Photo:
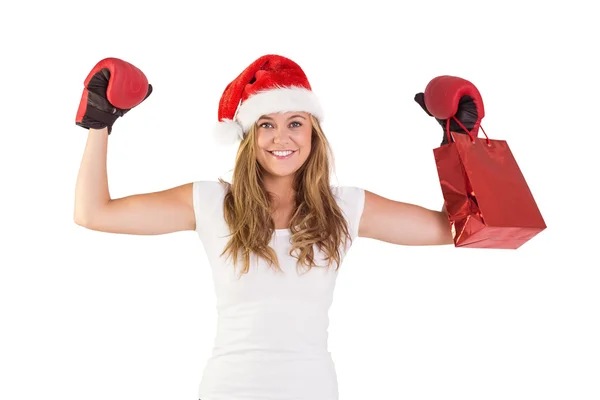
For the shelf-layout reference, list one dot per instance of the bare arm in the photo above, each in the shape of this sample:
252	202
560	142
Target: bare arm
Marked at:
166	211
402	223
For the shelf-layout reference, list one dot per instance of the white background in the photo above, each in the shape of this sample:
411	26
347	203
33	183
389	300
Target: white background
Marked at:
86	315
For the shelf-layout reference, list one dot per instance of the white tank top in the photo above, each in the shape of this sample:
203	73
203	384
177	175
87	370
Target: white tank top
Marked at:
272	330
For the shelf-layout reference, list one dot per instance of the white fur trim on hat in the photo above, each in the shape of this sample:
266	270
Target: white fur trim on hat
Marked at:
227	132
277	100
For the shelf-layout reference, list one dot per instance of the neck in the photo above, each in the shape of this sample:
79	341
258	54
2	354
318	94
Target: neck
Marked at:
281	190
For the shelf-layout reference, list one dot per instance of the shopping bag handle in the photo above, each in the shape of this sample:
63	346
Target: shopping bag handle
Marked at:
466	130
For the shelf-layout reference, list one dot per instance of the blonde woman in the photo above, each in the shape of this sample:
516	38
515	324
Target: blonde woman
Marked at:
275	236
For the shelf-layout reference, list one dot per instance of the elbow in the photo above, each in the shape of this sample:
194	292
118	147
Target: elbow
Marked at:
83	219
78	215
80	220
89	217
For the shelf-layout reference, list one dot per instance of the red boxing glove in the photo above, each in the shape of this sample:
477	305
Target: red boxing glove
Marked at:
112	88
455	103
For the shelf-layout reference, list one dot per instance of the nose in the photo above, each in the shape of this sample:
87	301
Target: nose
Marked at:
280	135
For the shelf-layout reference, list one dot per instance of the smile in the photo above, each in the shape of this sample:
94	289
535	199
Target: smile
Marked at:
282	155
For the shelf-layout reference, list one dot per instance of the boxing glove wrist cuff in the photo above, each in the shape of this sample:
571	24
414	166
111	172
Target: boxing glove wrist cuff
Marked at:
97	119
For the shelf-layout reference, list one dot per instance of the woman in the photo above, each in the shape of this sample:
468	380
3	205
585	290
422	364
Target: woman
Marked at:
275	236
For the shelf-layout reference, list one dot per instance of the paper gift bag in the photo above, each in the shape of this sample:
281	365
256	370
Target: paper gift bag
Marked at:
488	201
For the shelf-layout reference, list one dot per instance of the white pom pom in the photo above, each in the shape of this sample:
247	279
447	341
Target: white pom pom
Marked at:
228	132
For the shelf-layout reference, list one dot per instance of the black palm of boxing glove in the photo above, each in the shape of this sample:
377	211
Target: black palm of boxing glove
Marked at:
111	89
452	98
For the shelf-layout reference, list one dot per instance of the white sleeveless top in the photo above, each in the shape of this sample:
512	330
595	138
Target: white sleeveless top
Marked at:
272	331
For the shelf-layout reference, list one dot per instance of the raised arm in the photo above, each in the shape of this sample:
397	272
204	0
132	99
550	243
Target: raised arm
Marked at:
165	211
112	88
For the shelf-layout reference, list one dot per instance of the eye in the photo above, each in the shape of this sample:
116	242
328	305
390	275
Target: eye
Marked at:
296	124
265	125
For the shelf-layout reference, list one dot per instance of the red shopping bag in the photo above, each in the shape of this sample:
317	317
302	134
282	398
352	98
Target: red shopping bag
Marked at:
488	201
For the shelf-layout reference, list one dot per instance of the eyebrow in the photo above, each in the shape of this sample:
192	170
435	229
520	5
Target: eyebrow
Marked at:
271	119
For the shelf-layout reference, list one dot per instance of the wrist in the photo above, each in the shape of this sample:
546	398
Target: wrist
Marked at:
100	131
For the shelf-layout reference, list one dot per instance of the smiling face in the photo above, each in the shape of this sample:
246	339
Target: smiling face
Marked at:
283	142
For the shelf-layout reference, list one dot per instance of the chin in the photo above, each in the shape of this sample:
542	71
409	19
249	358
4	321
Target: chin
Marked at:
281	173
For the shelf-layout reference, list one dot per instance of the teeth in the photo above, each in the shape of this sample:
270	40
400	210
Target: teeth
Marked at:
282	153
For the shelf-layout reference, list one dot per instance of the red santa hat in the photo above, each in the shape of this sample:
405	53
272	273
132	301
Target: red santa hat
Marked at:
270	84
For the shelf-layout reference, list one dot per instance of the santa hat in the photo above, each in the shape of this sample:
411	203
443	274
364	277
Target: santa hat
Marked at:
270	84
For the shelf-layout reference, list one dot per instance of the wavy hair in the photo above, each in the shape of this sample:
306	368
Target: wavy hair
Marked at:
317	221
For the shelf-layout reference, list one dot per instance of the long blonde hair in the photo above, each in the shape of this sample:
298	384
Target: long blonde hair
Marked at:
317	220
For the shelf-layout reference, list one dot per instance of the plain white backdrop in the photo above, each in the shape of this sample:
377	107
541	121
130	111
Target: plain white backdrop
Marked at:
93	316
